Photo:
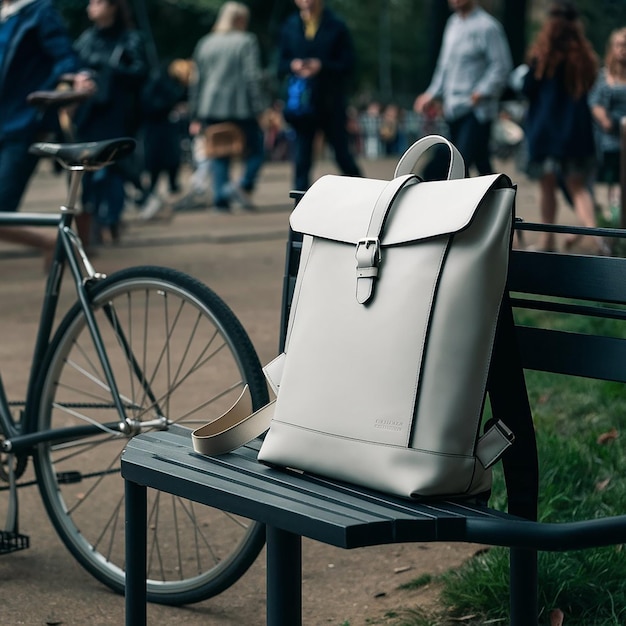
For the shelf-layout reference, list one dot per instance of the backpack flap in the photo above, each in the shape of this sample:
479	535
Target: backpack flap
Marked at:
340	208
363	215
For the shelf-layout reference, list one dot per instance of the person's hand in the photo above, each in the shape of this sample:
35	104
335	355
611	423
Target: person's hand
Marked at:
422	102
311	67
603	119
476	98
305	68
607	125
296	66
83	81
194	128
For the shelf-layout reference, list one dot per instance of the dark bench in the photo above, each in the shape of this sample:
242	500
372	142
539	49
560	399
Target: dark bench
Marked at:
294	506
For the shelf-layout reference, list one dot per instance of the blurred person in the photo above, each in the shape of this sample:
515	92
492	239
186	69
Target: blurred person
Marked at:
471	73
199	187
608	107
370	124
164	91
315	44
35	50
391	130
355	132
558	125
227	88
114	67
276	133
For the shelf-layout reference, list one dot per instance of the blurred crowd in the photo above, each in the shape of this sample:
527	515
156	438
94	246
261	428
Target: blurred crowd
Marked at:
560	118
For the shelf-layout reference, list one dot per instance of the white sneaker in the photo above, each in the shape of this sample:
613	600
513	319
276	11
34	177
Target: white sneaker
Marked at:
242	197
152	206
200	180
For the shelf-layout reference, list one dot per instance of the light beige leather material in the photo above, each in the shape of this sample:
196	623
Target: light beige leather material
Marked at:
410	158
493	443
273	372
234	428
391	329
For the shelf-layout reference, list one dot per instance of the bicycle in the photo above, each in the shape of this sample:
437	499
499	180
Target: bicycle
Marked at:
145	348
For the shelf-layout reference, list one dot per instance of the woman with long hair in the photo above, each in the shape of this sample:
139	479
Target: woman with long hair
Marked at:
608	106
559	131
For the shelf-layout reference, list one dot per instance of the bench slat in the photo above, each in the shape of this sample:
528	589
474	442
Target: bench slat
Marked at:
602	279
340	514
575	354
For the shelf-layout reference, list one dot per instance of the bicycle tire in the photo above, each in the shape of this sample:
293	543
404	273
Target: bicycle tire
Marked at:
196	357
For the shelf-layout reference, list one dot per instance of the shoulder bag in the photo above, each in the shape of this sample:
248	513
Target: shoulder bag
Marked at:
224	139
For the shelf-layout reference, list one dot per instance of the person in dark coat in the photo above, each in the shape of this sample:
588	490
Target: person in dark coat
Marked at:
315	45
115	67
35	51
161	95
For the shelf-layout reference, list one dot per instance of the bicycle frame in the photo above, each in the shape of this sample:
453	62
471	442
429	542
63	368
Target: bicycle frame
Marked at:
21	437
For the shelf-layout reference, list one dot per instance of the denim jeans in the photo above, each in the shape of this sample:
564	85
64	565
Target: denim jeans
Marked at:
104	196
333	124
16	168
471	138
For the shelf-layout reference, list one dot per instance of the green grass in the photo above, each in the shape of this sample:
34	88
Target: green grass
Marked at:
579	479
587	585
418	583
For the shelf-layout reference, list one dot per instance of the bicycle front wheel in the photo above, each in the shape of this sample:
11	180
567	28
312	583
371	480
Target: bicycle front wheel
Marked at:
176	351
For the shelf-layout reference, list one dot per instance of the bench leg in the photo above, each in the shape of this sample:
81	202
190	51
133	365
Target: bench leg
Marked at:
135	502
523	585
284	578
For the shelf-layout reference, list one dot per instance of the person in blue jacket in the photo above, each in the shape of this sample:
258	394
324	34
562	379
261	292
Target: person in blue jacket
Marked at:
315	45
35	51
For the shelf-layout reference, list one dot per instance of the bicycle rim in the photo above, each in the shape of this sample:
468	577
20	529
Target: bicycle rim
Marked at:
176	351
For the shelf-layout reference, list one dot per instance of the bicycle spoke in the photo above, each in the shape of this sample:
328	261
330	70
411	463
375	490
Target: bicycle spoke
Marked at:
98	381
188	508
110	523
92	489
153	523
84	418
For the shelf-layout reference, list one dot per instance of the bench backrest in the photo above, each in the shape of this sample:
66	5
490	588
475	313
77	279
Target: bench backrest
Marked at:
561	285
571	285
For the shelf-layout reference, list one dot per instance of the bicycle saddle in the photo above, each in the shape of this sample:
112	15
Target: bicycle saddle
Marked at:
57	98
87	155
